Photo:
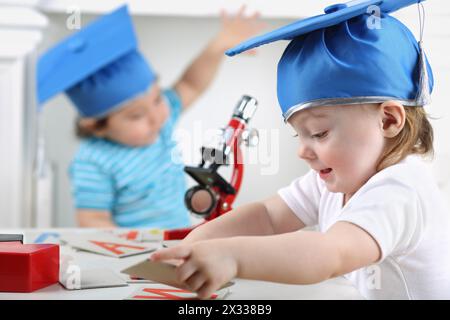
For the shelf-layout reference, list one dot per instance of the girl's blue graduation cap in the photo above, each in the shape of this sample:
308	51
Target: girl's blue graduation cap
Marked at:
349	56
99	67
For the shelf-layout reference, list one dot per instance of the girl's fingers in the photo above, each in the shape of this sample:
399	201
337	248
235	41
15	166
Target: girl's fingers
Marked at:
195	282
185	271
206	290
178	252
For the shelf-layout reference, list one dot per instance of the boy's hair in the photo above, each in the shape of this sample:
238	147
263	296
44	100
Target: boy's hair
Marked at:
83	133
416	137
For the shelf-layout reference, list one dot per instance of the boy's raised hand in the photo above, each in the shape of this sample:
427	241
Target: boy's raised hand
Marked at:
238	28
204	266
201	72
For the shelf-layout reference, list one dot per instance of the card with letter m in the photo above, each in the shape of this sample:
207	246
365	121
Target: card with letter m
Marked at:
164	292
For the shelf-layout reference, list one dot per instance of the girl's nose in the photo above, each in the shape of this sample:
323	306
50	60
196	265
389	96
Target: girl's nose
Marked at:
305	152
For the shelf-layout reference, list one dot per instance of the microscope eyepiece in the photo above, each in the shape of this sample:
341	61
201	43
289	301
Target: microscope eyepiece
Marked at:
246	108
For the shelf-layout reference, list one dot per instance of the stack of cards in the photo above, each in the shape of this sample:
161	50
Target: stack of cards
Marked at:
155	271
133	279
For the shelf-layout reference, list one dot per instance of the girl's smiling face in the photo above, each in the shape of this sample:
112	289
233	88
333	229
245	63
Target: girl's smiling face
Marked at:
342	143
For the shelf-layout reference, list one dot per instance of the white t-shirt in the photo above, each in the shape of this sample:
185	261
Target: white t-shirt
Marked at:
402	208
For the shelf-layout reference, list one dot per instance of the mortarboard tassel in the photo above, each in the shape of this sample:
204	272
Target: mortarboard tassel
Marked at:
423	97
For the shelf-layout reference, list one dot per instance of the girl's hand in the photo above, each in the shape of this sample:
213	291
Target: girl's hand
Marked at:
205	266
238	28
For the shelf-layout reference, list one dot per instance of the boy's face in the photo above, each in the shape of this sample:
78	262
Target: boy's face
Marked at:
139	122
342	143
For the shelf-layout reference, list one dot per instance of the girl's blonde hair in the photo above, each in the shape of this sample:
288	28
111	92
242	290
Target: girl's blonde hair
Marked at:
416	137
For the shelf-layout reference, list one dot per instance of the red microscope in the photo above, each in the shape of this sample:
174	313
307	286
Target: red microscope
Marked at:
214	196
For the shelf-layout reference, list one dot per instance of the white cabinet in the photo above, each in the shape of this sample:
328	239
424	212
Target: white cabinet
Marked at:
20	33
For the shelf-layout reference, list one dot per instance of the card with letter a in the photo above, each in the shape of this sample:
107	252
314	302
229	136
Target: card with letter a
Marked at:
108	245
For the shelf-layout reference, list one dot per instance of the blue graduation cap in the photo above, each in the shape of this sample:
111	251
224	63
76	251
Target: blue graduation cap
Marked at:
99	67
349	56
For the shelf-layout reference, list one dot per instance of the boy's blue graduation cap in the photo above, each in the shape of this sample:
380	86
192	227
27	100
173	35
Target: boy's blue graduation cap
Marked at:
349	56
99	67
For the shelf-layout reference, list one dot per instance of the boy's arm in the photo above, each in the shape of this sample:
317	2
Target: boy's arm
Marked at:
199	75
304	257
88	218
271	216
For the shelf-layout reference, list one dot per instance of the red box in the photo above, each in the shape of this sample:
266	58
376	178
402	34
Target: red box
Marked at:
28	267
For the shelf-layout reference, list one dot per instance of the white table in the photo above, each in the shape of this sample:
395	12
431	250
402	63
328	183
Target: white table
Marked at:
338	288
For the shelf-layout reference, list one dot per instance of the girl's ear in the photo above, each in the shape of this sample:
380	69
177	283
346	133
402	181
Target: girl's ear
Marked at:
392	118
90	125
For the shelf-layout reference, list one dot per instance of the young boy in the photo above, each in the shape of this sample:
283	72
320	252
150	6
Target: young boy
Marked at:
355	95
123	174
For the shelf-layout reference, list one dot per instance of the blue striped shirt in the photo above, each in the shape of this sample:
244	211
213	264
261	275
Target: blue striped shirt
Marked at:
141	186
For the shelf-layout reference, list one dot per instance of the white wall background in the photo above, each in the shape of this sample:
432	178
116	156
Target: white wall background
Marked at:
171	42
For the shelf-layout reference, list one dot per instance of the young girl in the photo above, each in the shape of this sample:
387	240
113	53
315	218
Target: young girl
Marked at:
354	95
124	173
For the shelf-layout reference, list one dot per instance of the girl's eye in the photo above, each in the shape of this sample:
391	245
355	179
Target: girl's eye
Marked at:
320	135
